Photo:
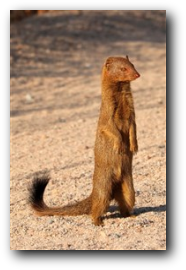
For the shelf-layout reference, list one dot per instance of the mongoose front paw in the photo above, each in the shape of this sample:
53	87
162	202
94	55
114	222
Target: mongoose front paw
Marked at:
117	147
134	148
118	150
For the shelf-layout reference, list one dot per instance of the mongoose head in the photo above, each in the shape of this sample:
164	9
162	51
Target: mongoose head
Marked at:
120	69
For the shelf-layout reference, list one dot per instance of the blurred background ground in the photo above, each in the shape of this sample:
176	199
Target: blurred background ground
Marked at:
55	64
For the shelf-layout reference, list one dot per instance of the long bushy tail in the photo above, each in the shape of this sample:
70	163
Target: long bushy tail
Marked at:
36	200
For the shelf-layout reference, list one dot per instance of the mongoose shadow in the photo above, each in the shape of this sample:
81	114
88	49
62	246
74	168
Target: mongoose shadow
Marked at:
115	145
136	211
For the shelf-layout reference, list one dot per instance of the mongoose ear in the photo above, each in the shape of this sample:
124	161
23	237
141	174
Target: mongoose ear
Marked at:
108	64
127	57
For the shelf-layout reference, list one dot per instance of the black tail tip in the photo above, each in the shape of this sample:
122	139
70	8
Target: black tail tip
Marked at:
38	186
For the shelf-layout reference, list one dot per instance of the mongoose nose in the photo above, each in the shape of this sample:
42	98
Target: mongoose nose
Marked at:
137	75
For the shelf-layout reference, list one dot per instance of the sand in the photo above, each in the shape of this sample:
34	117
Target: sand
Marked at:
56	61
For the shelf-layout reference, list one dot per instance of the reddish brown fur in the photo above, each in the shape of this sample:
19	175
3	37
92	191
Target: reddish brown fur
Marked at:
116	141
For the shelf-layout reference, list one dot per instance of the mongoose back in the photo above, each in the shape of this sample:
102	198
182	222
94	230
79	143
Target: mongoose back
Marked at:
116	142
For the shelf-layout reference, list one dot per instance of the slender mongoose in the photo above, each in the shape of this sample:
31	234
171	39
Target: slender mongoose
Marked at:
116	142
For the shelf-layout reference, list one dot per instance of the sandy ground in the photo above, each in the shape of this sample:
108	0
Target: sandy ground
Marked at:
56	60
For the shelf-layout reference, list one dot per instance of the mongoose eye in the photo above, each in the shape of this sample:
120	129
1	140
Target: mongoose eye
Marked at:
123	69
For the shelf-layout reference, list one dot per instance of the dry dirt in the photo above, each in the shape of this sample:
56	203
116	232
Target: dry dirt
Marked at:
56	60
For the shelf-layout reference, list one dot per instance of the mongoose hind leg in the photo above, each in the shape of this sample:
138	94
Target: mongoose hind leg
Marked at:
100	204
124	194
